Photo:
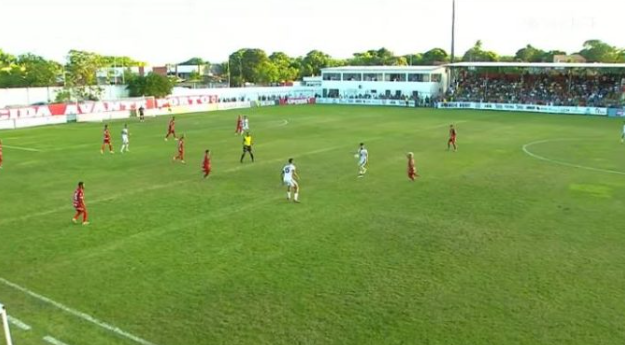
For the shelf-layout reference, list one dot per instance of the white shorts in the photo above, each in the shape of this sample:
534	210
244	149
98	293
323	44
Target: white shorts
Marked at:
290	183
246	128
125	140
362	163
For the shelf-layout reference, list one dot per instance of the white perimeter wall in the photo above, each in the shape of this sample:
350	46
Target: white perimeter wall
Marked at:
28	96
251	93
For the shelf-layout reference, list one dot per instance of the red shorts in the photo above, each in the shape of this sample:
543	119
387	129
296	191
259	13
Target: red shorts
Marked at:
206	169
452	139
80	208
107	141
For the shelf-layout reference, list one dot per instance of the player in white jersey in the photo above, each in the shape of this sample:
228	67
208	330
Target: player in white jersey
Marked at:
289	178
246	124
125	139
363	160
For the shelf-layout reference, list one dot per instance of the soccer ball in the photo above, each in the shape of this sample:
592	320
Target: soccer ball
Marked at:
356	155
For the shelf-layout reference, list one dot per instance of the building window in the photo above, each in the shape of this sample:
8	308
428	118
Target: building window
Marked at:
415	77
394	77
332	76
333	93
426	78
352	77
436	78
373	77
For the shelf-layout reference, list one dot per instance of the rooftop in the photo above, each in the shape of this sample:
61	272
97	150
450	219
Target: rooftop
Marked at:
538	64
381	68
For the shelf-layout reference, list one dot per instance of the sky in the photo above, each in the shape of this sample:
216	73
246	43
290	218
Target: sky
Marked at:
171	31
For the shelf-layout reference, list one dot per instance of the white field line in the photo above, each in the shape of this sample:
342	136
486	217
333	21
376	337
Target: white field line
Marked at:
95	201
163	186
154	187
558	162
53	341
21	148
78	314
97	144
19	324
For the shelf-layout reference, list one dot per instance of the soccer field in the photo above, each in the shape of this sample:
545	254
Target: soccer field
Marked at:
517	238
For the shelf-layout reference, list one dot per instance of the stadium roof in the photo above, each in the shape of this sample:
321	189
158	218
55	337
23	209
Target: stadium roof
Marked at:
382	68
538	64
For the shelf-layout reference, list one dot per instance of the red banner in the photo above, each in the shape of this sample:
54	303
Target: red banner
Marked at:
177	101
295	101
61	109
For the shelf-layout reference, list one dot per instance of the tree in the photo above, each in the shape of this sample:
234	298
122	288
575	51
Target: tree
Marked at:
153	84
287	67
530	54
380	57
194	61
245	64
82	67
476	53
314	61
414	59
548	56
266	73
599	51
435	56
38	71
120	61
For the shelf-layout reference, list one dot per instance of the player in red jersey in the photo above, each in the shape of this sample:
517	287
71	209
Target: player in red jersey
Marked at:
180	150
412	169
171	129
239	129
206	164
107	140
452	138
0	154
79	204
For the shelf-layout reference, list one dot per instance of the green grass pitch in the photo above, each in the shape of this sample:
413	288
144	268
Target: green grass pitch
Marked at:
490	246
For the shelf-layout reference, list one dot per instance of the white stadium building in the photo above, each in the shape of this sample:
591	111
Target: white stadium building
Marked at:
384	82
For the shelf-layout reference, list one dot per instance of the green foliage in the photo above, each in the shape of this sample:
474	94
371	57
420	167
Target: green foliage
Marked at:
82	67
195	61
380	57
287	67
63	96
151	85
599	51
28	70
255	66
477	54
120	61
435	56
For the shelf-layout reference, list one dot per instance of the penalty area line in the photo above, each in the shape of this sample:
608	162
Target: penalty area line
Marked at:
19	324
76	313
21	148
566	164
50	340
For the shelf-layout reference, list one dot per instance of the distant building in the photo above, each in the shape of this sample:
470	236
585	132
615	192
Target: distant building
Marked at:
185	71
574	58
115	75
312	81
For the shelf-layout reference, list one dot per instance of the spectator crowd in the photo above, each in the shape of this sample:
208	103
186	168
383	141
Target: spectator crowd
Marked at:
597	90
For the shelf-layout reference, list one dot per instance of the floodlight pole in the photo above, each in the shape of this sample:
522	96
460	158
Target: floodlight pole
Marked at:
453	31
453	43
